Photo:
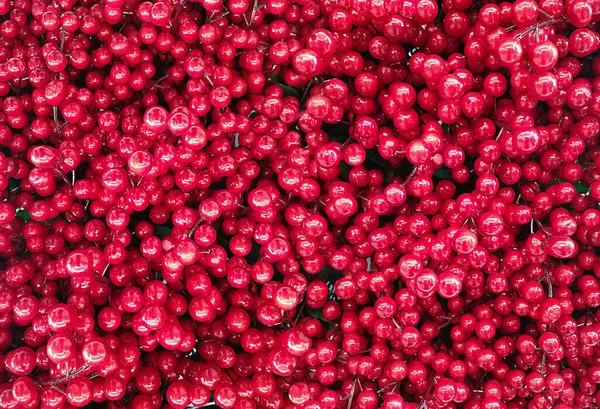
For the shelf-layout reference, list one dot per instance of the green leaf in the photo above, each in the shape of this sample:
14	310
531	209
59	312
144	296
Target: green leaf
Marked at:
287	90
578	186
24	214
443	173
581	189
162	231
14	185
318	315
27	217
254	255
375	159
315	313
291	92
324	274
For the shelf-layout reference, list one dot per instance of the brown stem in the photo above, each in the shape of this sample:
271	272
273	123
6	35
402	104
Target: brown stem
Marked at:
209	80
541	226
543	367
396	323
299	313
58	389
410	176
253	12
56	124
550	288
62	38
105	269
543	24
351	395
64	177
158	81
68	376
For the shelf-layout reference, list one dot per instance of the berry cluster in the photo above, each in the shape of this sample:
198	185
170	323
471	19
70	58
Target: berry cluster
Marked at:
299	204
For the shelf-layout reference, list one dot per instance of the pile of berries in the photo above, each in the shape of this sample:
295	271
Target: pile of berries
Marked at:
299	204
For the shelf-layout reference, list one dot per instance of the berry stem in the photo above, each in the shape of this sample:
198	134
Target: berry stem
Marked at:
531	29
56	124
410	176
253	12
62	38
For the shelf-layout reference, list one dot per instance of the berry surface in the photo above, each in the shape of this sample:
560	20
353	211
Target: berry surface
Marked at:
299	204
